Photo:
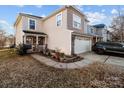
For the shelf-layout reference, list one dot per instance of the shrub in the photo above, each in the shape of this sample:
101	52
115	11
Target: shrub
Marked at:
46	52
62	55
12	46
22	49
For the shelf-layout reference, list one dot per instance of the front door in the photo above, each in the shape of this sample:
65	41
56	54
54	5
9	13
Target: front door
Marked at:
31	40
41	40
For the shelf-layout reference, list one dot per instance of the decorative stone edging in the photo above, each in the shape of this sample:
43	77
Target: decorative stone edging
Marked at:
50	62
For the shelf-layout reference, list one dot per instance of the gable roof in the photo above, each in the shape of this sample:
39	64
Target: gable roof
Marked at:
57	11
30	15
99	26
63	8
24	14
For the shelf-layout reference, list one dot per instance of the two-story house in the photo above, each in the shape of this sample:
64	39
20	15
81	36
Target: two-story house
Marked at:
98	32
63	29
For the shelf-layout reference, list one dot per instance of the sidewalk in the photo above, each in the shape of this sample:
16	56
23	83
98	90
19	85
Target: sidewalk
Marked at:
50	62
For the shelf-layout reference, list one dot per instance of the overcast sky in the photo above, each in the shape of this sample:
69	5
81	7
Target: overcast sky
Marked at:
96	14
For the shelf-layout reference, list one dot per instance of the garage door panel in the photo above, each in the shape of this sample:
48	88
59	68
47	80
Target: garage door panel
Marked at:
82	45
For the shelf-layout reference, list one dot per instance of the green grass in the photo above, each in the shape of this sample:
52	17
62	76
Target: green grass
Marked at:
7	54
3	48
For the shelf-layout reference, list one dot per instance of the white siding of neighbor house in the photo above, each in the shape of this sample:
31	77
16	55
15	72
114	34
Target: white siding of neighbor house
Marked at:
104	35
58	36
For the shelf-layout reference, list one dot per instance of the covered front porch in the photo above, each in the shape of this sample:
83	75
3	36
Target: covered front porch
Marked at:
96	39
37	40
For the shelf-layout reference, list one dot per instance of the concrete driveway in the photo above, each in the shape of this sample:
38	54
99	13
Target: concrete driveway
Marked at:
108	58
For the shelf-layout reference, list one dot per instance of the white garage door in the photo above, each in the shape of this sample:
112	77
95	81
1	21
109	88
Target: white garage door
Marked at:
82	45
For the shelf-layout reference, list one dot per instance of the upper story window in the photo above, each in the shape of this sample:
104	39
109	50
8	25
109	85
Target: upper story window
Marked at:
32	24
91	30
76	21
59	19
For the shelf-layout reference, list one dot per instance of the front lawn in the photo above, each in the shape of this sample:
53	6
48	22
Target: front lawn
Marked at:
7	53
24	71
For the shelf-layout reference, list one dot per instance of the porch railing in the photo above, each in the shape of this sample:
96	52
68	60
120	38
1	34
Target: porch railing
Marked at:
38	48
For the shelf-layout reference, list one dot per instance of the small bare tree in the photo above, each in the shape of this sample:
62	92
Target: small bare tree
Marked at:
117	27
11	39
2	38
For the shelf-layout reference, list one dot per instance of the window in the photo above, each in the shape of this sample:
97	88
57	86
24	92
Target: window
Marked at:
92	30
59	19
32	24
76	21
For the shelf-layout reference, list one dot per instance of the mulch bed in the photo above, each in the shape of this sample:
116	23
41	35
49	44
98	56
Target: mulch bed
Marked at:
71	59
65	59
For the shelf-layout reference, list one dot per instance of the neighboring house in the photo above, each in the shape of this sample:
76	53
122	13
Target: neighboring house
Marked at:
99	33
6	40
10	40
109	35
64	29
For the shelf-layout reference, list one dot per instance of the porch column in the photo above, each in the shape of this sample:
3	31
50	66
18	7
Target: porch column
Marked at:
24	39
36	40
96	39
45	40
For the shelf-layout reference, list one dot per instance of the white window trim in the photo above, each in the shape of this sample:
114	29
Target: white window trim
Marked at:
61	19
73	22
29	23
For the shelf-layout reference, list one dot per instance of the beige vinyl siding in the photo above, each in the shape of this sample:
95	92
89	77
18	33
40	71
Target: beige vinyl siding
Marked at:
70	13
23	24
19	33
39	24
58	36
85	27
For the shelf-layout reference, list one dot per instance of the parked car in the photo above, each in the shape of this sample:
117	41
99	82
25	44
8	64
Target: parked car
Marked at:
102	47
